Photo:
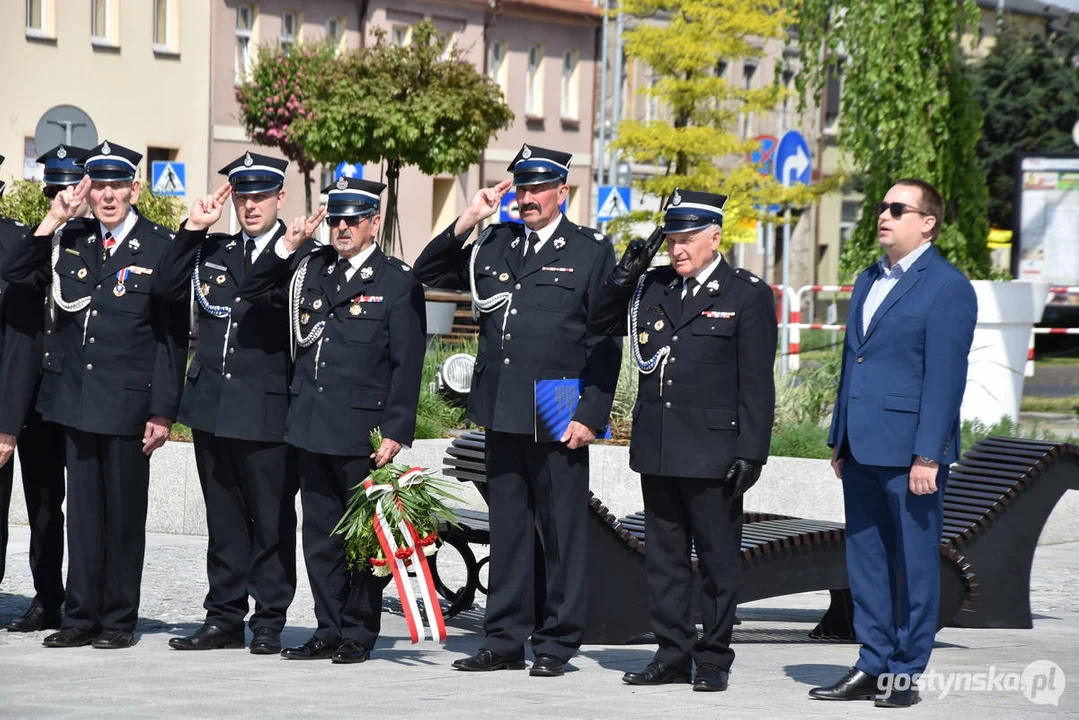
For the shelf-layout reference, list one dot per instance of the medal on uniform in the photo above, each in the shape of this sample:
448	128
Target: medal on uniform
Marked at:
81	274
504	277
643	338
120	290
317	304
355	309
205	288
658	325
305	318
220	279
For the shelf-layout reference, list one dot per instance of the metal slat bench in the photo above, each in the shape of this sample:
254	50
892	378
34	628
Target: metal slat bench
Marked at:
985	568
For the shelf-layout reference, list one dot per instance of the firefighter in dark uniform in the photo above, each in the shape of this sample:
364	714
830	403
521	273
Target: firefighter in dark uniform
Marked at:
40	443
358	321
235	402
536	285
113	374
704	338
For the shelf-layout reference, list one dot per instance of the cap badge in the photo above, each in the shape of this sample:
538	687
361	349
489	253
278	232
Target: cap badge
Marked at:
367	272
248	160
559	243
342	183
676	198
61	152
105	149
526	152
713	285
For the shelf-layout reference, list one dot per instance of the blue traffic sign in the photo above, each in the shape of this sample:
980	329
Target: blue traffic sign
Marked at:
764	155
347	169
793	160
168	177
613	202
507	211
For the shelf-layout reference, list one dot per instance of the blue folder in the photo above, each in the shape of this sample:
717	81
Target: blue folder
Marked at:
556	401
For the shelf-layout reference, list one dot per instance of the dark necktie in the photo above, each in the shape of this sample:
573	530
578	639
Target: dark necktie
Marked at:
530	246
339	274
249	253
691	283
107	244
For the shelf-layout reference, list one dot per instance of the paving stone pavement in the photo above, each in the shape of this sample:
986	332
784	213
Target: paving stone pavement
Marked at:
776	663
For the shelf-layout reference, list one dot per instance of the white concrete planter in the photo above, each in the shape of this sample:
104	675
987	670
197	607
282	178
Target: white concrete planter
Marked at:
1006	313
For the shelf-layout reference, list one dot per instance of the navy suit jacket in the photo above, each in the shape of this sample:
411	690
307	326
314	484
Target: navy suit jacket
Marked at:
903	379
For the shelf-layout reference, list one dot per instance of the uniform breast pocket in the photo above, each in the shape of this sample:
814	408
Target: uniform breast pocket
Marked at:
363	323
716	334
131	296
555	291
74	276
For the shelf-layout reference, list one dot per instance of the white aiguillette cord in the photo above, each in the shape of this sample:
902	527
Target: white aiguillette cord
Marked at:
57	294
660	358
295	330
487	305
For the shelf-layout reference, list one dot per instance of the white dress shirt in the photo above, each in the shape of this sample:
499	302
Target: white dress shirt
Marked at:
883	285
544	234
356	261
702	276
121	232
260	242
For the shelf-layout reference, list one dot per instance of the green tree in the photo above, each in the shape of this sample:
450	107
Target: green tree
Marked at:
277	95
421	104
24	201
908	109
682	42
1028	87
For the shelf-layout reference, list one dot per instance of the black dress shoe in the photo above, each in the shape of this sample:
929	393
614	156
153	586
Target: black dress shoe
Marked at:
547	666
855	685
350	651
36	619
486	660
657	673
70	637
710	678
209	637
112	639
313	649
266	641
896	698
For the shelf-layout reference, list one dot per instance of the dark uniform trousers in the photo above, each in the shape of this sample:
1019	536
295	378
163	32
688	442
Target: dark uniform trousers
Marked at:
236	401
39	443
109	367
362	373
537	492
41	457
348	604
712	402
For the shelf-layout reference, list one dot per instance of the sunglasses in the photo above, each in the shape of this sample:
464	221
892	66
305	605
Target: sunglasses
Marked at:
350	221
897	209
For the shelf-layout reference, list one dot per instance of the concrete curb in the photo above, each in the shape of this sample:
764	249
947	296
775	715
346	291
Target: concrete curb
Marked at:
792	486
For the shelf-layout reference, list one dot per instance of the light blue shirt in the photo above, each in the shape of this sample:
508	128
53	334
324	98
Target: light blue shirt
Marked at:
883	285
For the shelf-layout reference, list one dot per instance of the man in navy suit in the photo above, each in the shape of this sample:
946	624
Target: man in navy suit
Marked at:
895	430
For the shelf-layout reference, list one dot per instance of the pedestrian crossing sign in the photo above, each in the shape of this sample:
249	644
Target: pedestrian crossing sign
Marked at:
613	202
169	177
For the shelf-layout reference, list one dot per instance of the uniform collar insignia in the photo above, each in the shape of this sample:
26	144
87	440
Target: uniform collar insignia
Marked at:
713	285
515	243
366	272
230	245
134	244
559	243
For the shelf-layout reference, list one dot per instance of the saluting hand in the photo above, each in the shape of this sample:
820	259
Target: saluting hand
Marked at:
206	210
485	203
637	258
301	229
64	206
386	452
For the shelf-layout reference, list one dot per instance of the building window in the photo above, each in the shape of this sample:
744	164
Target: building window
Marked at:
447	39
35	17
849	213
290	29
534	82
496	64
651	102
787	79
245	28
400	35
335	32
163	26
721	68
99	20
569	85
833	88
749	70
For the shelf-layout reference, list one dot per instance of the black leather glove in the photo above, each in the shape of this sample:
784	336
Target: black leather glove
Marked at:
636	259
743	474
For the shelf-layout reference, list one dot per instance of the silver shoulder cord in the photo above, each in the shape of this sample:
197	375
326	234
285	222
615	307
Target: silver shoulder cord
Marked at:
295	331
487	305
647	367
57	295
217	311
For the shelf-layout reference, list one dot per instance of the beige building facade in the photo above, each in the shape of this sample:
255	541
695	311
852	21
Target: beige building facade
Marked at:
136	68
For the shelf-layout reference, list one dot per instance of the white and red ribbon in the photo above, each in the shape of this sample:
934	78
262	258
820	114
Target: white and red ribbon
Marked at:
436	624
